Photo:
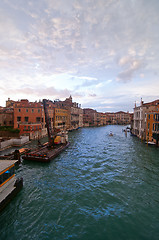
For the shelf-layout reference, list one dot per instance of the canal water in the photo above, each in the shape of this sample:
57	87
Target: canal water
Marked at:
101	188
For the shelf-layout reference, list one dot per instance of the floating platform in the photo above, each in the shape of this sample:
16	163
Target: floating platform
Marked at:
45	153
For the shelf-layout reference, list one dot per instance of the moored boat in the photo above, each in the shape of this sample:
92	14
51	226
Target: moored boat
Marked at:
15	155
46	153
150	143
9	185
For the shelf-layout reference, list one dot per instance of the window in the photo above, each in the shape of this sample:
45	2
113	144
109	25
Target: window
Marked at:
18	119
32	110
26	119
38	110
156	127
19	110
38	119
26	110
6	175
24	128
28	127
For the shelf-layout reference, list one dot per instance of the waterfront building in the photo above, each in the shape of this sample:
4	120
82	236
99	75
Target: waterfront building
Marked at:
61	118
152	124
86	119
104	118
90	117
80	117
29	118
99	119
74	117
9	103
6	117
112	119
139	128
140	118
75	112
121	118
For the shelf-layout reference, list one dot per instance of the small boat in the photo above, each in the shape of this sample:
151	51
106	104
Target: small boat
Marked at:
151	143
110	134
9	185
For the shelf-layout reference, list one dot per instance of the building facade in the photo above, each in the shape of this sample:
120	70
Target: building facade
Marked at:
6	117
61	118
152	124
144	120
29	118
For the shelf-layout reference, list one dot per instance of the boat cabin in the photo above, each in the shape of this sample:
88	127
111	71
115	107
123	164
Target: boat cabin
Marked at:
7	171
9	185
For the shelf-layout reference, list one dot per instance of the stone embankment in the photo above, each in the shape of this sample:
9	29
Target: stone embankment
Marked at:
6	143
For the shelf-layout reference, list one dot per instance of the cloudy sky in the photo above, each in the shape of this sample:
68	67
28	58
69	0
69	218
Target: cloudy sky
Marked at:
104	53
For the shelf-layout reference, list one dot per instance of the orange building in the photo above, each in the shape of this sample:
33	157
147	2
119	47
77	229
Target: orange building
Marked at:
152	124
28	116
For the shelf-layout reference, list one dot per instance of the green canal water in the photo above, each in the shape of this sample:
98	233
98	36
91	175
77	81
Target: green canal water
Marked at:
100	188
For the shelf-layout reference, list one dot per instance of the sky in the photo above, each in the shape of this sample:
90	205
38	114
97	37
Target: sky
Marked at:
104	53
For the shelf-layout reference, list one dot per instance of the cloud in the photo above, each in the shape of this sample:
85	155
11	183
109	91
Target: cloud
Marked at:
39	91
92	95
85	81
92	40
130	66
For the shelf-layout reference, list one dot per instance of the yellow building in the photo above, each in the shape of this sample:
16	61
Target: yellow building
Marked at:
152	125
61	118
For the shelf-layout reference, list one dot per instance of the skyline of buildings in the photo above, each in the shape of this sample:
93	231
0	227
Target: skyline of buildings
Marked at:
29	117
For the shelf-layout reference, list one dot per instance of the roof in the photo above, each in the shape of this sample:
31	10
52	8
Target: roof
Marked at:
4	164
152	103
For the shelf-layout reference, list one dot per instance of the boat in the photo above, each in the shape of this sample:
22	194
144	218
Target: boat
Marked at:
150	143
15	155
45	153
9	185
58	141
110	134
